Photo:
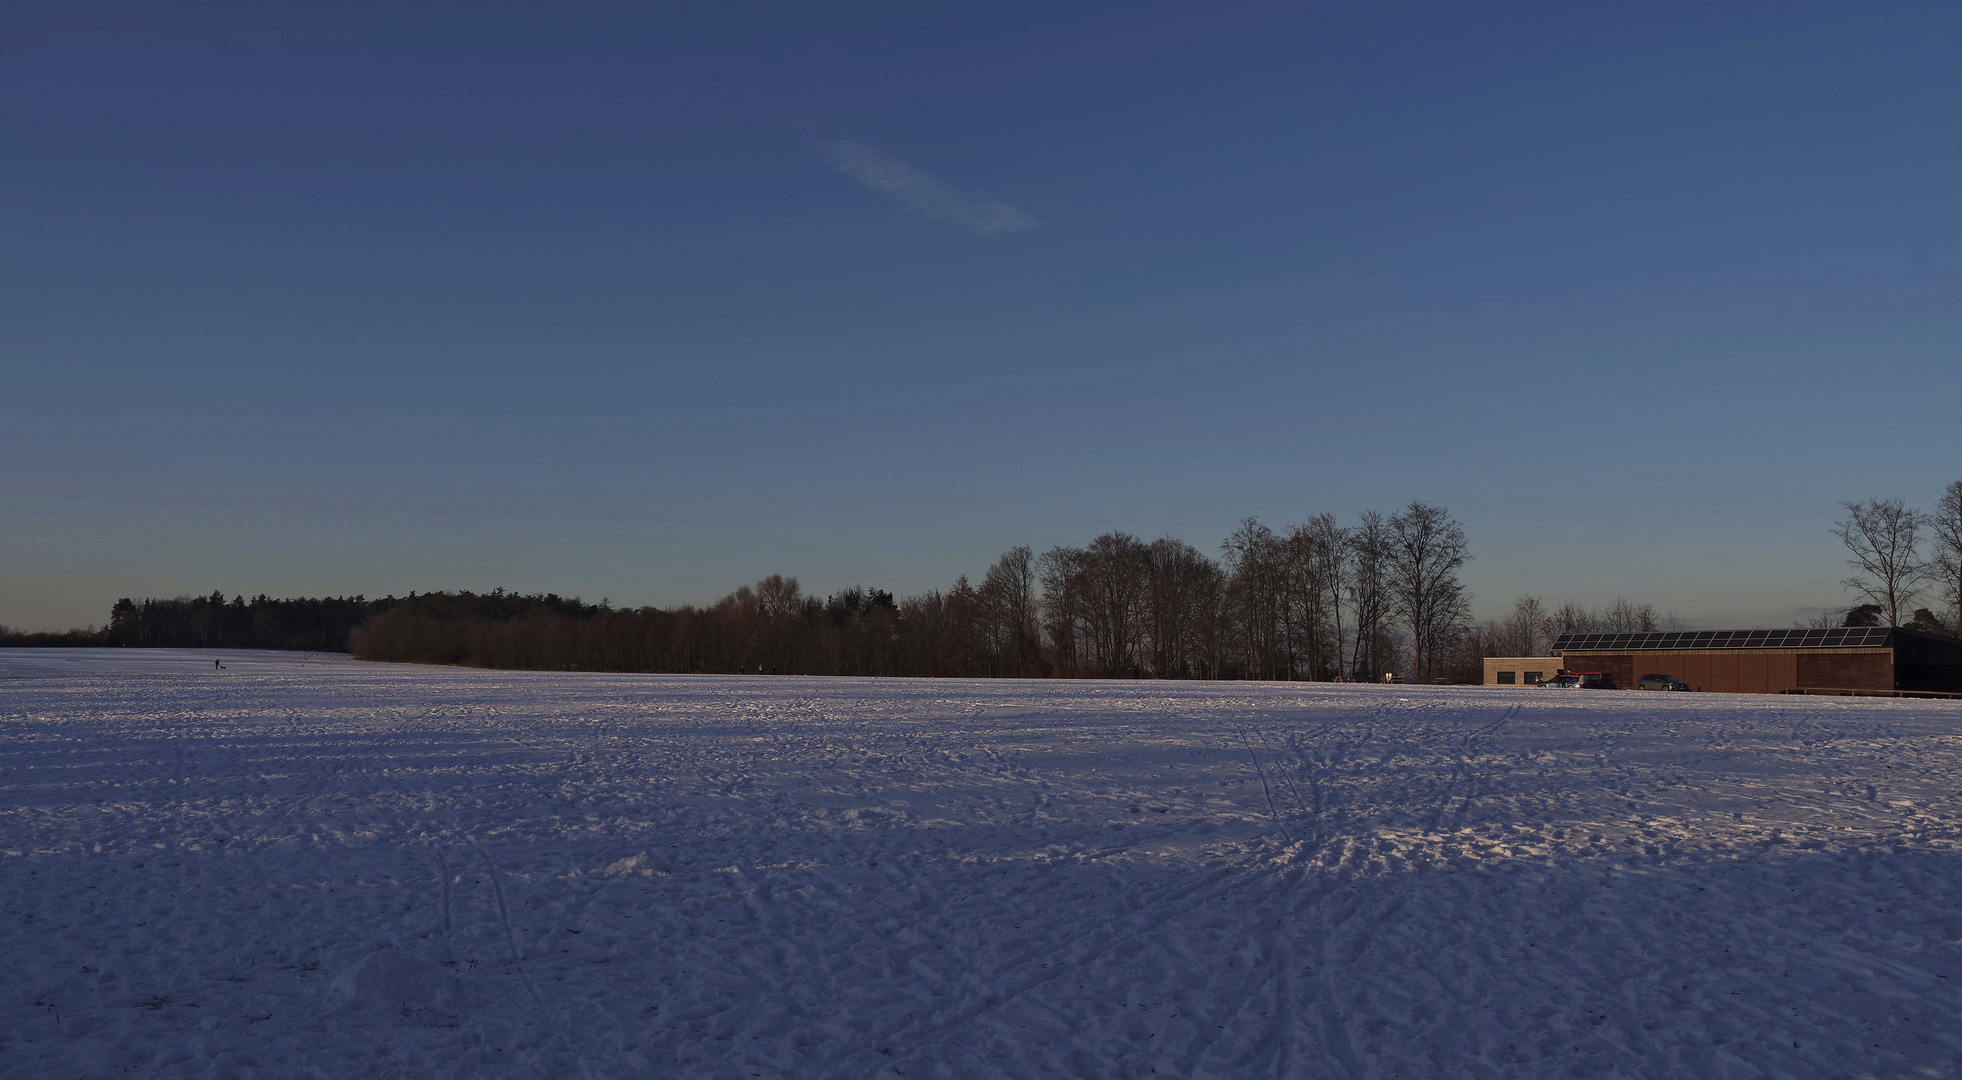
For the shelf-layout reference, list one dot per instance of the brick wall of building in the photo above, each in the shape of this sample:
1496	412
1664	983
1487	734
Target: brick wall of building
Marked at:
1840	671
1746	671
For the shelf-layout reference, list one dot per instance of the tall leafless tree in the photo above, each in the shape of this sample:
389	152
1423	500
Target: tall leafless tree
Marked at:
1008	603
1427	548
1327	555
1883	536
1114	578
965	651
1946	524
1255	595
779	609
1300	601
1182	611
1060	570
1369	595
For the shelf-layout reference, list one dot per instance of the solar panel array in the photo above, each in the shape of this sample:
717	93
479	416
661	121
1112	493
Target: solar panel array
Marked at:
1836	637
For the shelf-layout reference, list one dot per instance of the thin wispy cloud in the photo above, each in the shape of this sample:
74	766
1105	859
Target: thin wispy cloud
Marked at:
925	194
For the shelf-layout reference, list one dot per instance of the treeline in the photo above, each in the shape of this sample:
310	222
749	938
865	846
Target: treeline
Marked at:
212	622
1319	600
1315	601
1530	629
14	639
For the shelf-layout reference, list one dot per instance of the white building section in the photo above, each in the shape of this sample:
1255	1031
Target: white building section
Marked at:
1520	670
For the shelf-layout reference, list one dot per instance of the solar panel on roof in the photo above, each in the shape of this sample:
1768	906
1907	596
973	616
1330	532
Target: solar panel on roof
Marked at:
1811	638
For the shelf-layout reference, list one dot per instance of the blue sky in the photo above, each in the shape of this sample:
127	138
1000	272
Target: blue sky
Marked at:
648	302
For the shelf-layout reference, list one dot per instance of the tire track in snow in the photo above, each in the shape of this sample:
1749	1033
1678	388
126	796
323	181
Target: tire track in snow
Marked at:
510	930
443	867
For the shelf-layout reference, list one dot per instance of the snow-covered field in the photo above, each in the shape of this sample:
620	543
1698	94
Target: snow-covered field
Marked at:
308	866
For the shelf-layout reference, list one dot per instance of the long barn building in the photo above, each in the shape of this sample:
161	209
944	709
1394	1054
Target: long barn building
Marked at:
1849	658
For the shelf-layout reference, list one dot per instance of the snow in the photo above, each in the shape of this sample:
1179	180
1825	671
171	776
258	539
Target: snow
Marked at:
390	979
302	865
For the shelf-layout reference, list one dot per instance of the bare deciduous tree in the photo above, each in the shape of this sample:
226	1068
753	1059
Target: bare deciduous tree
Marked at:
1946	524
1060	570
1255	595
1528	631
1369	596
1571	618
1182	611
965	650
1330	554
1008	601
1626	617
779	606
1114	578
1884	538
1427	548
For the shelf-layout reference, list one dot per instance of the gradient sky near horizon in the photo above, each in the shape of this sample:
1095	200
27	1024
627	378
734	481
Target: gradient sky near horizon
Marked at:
648	301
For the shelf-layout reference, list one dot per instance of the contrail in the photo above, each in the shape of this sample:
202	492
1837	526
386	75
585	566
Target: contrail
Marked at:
915	190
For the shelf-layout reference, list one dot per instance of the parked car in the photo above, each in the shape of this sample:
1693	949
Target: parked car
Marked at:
1660	682
1579	680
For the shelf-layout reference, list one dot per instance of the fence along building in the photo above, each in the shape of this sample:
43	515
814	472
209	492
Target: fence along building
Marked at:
1858	658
